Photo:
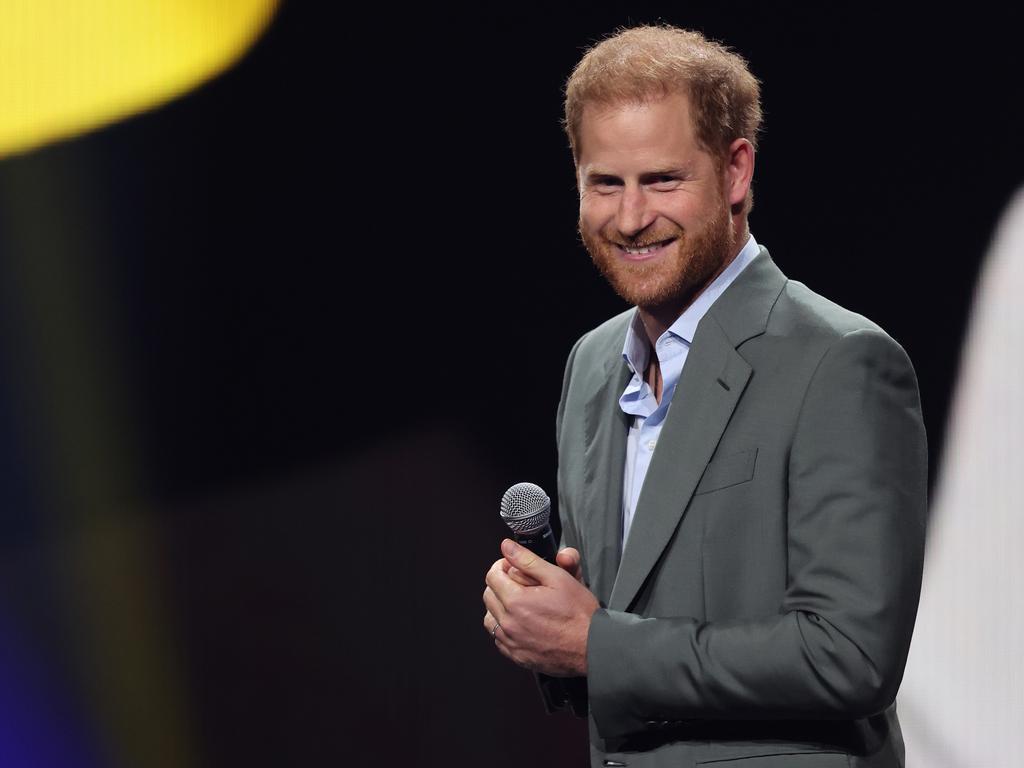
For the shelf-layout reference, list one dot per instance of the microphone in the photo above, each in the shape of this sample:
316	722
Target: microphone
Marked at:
526	509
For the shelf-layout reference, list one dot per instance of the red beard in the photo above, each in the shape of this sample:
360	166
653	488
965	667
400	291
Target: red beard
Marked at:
677	277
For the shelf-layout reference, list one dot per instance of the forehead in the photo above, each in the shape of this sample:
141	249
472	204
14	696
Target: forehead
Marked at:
656	130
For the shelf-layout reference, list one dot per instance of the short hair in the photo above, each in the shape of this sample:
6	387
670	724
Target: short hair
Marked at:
650	62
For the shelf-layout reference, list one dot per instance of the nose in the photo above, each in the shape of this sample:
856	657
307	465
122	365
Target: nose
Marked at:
634	214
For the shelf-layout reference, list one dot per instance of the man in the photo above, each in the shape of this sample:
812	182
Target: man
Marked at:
742	568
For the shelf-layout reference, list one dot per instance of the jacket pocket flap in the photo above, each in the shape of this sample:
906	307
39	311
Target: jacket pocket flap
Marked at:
724	471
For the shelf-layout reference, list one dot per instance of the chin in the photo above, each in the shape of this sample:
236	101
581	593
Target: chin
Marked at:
650	286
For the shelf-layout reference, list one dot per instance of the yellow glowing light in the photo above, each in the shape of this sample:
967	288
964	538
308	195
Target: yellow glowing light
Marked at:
67	66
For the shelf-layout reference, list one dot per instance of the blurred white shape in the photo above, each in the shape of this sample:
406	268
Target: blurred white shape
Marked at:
961	704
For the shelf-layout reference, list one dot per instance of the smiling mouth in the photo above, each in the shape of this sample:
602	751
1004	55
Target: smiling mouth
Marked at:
644	251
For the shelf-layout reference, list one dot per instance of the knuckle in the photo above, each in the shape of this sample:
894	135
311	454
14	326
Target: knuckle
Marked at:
521	611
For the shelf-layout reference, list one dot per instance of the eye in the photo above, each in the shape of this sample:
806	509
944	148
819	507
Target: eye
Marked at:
606	185
665	183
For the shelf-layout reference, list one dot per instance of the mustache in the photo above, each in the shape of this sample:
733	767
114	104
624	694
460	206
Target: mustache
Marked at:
640	240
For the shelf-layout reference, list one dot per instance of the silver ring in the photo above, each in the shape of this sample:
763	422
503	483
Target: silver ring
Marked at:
494	632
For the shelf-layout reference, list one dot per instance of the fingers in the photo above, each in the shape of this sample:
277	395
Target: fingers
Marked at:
521	578
516	575
501	583
494	606
527	562
501	640
492	625
498	577
569	559
511	580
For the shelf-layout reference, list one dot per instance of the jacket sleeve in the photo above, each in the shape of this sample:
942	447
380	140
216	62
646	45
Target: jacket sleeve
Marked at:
838	644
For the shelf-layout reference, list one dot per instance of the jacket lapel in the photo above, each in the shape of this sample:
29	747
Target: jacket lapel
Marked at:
711	384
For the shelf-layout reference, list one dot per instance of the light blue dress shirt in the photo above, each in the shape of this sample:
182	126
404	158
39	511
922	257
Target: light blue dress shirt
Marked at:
638	402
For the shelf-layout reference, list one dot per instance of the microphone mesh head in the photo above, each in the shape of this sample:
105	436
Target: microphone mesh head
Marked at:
525	507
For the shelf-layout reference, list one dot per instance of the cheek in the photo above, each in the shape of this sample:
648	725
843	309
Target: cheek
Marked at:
681	211
595	214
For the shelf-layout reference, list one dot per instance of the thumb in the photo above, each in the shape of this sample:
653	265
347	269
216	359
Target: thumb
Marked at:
526	561
569	559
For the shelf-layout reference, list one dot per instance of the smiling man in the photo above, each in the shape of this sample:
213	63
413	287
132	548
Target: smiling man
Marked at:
742	463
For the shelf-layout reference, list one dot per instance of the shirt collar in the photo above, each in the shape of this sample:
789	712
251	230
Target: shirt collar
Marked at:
636	350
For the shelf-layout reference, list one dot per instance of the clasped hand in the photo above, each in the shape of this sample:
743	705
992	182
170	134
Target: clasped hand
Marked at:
538	613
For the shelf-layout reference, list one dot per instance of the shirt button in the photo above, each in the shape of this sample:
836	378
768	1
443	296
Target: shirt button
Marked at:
650	445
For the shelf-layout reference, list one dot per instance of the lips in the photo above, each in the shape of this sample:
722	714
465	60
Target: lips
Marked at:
644	252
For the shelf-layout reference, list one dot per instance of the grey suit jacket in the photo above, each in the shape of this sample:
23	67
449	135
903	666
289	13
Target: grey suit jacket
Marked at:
762	609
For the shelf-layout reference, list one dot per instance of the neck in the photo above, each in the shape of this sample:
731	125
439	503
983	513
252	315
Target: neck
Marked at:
659	319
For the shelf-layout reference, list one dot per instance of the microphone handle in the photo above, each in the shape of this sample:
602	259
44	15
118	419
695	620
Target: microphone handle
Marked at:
541	542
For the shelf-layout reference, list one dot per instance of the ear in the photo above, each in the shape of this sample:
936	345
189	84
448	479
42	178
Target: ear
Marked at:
739	171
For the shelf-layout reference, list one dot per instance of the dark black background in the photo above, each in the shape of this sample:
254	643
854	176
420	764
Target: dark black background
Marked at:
329	296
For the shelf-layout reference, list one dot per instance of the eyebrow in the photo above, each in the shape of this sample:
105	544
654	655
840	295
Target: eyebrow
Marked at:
599	173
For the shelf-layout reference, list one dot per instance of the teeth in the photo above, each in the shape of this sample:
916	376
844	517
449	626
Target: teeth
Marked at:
641	251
